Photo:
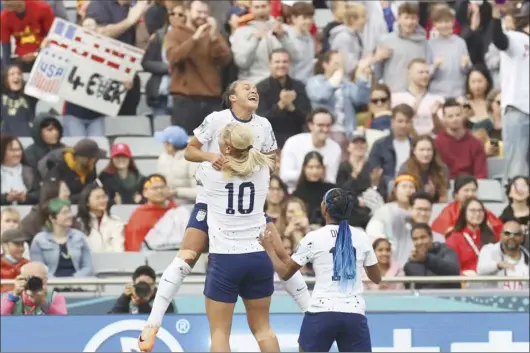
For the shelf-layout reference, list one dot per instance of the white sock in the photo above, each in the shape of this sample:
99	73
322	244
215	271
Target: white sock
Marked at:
297	288
167	289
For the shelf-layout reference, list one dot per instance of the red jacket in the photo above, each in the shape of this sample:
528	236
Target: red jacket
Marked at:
464	156
446	220
140	223
9	270
467	256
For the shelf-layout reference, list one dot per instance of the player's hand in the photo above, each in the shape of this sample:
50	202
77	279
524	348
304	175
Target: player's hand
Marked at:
265	239
218	161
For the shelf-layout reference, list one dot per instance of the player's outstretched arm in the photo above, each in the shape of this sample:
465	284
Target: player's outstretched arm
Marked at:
278	244
284	270
373	273
193	152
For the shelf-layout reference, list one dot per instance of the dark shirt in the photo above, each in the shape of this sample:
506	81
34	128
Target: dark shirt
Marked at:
65	268
17	114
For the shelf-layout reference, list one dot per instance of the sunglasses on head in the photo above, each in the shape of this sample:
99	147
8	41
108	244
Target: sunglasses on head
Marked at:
379	100
512	234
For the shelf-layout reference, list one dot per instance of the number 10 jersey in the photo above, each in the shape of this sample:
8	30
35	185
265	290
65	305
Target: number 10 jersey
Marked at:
236	216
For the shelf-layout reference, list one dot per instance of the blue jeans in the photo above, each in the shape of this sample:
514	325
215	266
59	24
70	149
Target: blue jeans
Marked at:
76	127
516	141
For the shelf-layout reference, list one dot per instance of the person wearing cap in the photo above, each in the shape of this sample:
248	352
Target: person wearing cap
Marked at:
121	178
179	173
47	132
515	52
75	166
12	260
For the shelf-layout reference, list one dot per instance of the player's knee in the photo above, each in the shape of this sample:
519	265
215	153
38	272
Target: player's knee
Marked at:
264	333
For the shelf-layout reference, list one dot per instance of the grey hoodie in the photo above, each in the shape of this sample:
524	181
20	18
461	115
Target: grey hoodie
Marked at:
393	71
251	55
348	42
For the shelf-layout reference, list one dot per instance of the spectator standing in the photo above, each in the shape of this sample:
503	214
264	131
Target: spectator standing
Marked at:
388	267
29	23
319	123
302	19
338	8
451	58
470	234
19	183
418	97
515	52
331	89
47	132
179	173
347	38
507	258
35	220
283	99
430	258
12	260
18	109
138	296
311	186
58	9
458	148
380	108
63	249
196	52
518	193
75	166
121	178
155	60
407	42
426	166
253	43
31	296
390	152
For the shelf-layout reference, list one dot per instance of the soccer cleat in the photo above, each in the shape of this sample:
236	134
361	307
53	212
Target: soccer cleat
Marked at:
147	338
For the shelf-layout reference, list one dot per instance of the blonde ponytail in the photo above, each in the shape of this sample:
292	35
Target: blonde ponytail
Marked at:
247	158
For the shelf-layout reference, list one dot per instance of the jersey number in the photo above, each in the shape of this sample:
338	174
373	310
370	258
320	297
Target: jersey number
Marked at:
240	198
336	276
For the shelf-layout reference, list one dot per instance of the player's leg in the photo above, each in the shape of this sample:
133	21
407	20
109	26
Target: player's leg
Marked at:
355	334
256	289
194	243
221	291
295	286
318	332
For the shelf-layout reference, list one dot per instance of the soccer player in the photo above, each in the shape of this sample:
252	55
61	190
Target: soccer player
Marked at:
338	253
241	99
237	264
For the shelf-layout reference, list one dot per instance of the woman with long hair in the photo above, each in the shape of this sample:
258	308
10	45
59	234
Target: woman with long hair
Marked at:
18	110
297	221
338	253
19	183
36	218
121	178
478	86
105	232
312	186
63	249
275	205
470	234
465	187
518	193
387	266
427	167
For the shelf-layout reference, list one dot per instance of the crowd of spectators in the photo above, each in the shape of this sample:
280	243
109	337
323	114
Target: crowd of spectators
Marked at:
400	102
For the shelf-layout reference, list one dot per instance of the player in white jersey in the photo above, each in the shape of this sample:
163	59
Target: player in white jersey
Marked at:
338	253
242	99
237	263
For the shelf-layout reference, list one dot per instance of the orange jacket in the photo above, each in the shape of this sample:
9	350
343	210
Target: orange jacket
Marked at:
447	220
9	270
140	223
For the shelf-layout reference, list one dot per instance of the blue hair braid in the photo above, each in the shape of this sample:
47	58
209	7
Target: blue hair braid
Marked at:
339	205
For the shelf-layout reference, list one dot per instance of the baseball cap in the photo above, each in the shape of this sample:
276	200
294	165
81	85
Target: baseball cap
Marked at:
14	235
120	149
358	136
88	148
174	135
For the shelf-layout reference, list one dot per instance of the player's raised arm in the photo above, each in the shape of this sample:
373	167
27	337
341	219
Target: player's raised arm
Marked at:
284	270
194	153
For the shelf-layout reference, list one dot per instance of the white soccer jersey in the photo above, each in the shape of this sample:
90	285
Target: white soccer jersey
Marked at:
236	216
515	72
318	248
208	135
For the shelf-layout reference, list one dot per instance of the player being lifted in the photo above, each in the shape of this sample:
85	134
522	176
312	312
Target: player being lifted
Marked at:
241	100
338	253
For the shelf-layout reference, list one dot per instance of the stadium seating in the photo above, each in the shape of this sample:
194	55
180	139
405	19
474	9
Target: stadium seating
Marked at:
123	212
160	122
128	126
495	168
490	191
142	146
117	264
